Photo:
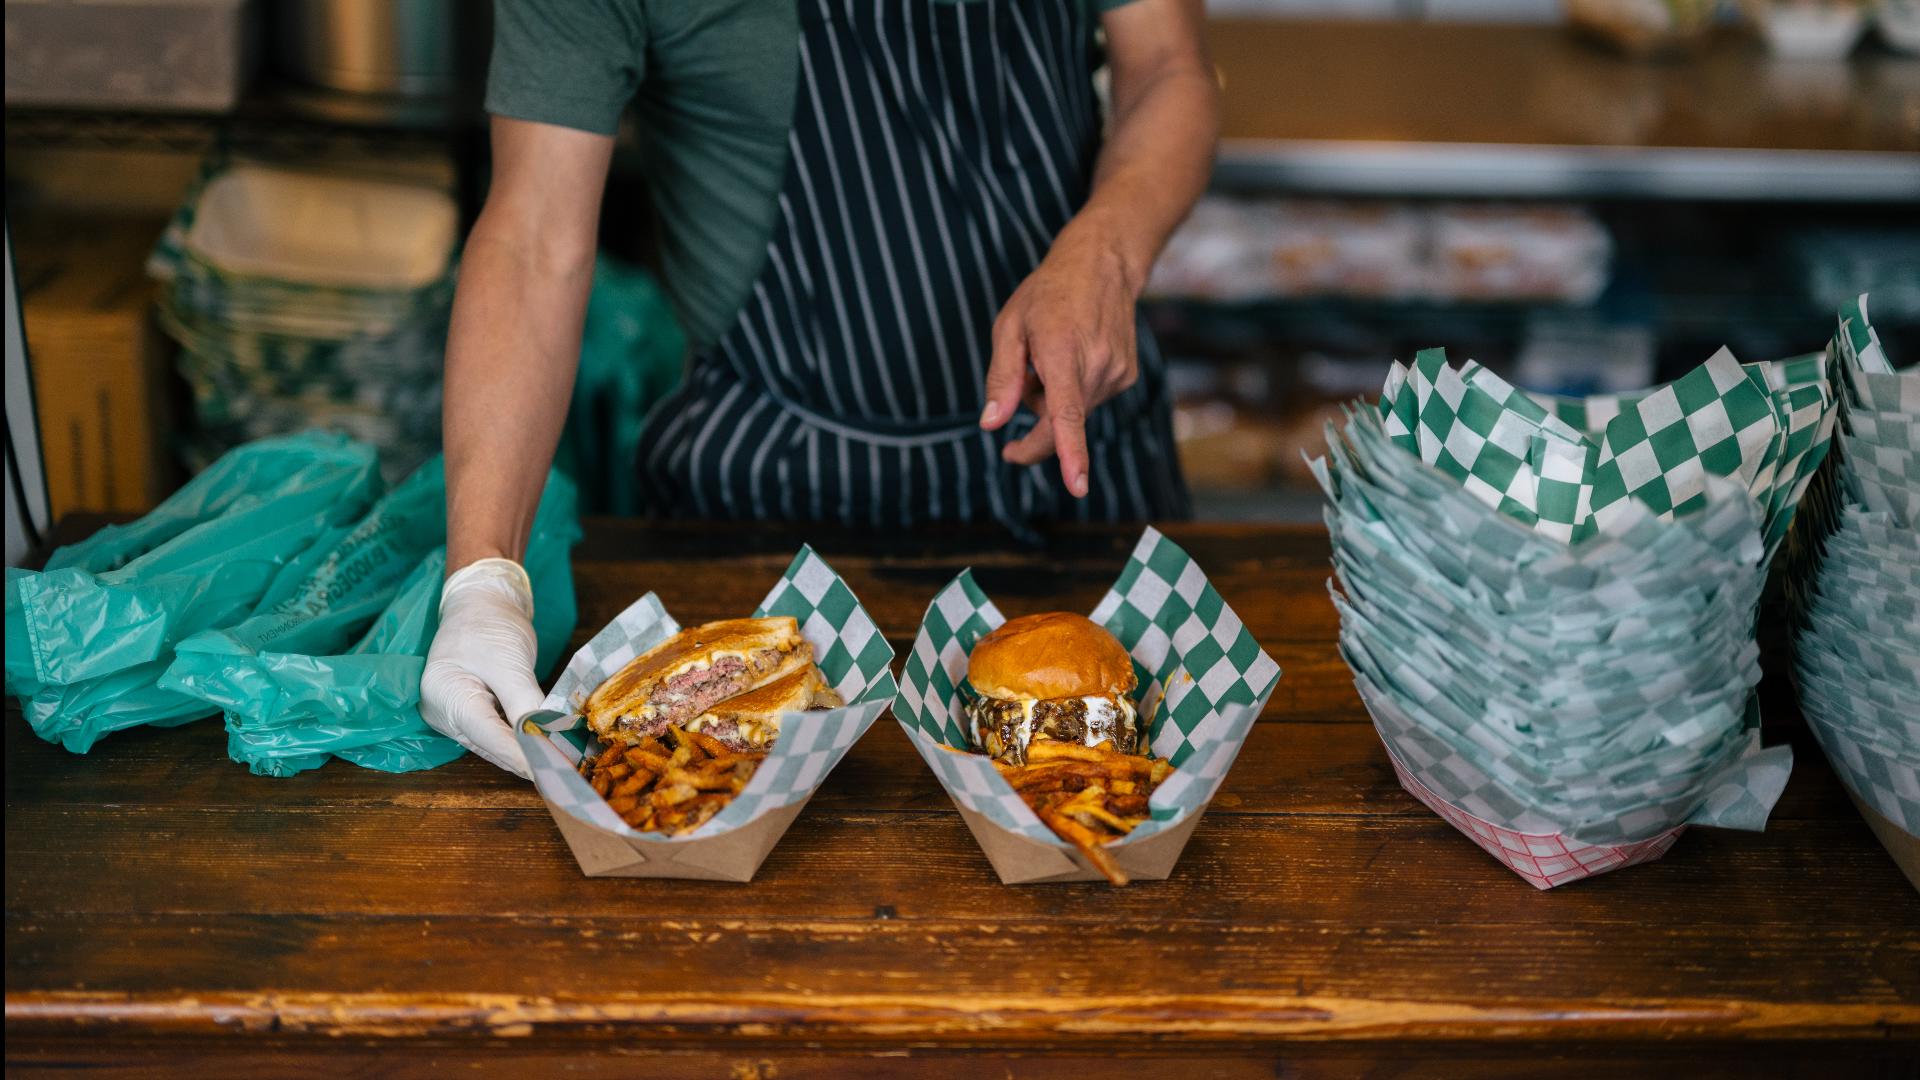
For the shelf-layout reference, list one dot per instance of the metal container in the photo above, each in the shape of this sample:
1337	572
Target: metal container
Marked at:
397	48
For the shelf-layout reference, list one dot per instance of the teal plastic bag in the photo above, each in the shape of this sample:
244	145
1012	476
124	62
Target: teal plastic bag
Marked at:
86	649
247	472
211	550
343	592
295	691
632	354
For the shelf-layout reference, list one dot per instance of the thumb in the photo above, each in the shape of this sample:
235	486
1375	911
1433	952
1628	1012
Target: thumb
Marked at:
462	708
1006	373
516	691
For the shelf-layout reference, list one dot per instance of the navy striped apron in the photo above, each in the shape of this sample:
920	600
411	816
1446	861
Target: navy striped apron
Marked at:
937	148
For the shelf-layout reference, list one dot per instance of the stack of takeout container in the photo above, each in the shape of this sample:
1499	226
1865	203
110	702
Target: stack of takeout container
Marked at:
1855	589
1551	622
304	299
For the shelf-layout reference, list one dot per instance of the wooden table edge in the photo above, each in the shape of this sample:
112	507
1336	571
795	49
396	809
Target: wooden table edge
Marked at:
993	1020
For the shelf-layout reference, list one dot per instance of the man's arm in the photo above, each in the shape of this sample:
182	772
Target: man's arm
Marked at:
514	345
511	356
1064	343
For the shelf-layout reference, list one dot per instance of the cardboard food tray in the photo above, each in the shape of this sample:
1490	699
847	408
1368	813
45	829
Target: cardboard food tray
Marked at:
1901	844
1204	681
1740	795
850	651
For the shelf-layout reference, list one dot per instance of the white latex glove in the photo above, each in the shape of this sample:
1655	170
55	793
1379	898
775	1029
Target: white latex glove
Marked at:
479	675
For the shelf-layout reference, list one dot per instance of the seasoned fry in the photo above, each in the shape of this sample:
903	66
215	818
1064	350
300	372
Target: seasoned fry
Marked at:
1089	843
641	758
1056	751
1088	795
713	747
674	782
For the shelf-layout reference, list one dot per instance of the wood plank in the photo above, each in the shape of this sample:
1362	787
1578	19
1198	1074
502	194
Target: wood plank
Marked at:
1483	974
1320	923
274	1058
1285	768
834	865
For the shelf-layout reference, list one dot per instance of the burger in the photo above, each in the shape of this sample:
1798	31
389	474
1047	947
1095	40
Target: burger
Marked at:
1051	677
687	679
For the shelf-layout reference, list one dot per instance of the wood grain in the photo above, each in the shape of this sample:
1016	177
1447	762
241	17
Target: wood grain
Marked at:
170	914
276	1058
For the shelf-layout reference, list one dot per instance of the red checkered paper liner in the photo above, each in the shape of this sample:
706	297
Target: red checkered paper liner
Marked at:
1543	859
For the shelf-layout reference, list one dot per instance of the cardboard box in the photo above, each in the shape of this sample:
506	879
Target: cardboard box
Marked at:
99	363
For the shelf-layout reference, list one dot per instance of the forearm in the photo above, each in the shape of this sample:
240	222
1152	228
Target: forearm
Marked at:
1156	163
512	353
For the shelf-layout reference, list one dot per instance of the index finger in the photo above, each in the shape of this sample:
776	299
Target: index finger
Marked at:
1066	408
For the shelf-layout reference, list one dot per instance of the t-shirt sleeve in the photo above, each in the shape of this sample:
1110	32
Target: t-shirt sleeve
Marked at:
574	63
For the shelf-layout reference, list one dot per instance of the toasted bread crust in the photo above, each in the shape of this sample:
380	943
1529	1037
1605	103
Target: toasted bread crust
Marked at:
791	692
694	646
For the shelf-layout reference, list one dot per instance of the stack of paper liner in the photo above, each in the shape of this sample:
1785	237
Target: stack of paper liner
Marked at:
1853	589
1204	681
849	650
1553	627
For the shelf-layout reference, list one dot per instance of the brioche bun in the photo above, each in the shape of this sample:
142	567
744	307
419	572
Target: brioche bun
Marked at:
1051	655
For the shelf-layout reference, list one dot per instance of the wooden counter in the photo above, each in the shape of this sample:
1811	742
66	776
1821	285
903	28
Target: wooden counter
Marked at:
1477	110
170	914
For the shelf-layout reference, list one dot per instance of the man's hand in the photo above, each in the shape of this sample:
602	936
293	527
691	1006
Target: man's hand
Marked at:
1063	344
479	677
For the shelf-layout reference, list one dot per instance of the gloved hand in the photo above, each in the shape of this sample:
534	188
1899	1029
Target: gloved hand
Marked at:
479	677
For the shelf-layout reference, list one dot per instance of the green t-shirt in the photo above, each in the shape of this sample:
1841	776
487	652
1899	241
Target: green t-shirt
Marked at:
712	84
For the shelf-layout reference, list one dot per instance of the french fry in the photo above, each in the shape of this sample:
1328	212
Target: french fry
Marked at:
1089	796
666	795
674	782
711	746
1089	843
706	777
1055	751
642	758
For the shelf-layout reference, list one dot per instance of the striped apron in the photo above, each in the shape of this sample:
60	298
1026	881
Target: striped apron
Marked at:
937	148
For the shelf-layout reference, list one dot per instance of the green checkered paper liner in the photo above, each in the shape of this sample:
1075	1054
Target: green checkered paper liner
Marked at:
1571	468
1204	681
847	645
1854	585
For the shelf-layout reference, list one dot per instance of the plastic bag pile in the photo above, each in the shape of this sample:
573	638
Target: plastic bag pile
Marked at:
1551	621
1854	587
283	587
305	299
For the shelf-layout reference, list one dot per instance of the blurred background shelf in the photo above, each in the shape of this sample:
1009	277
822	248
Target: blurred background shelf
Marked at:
1643	212
1483	110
